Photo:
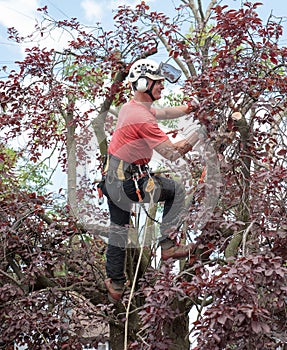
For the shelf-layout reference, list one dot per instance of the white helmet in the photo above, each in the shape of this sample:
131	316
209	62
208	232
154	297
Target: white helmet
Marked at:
144	68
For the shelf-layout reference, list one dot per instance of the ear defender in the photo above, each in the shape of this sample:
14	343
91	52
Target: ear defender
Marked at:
142	84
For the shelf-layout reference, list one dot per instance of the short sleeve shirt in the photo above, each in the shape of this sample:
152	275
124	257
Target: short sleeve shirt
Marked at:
137	133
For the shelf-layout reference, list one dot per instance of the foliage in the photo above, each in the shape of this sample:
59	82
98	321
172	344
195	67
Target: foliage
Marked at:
247	295
52	263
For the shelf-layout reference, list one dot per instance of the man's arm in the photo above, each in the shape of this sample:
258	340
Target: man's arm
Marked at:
176	111
171	112
173	151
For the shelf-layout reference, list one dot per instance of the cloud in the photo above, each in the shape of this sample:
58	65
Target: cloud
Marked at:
20	14
93	10
115	3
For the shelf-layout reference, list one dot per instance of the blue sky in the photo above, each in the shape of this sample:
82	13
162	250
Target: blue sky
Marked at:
21	14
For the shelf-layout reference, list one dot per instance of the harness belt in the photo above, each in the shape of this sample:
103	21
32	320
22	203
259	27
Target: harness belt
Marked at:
123	169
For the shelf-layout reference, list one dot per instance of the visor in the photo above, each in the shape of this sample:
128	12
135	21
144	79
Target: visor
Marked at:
169	72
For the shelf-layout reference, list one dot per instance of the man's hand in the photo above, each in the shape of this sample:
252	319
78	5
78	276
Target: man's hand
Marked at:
192	105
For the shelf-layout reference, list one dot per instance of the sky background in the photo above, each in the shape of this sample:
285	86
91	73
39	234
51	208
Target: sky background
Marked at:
21	14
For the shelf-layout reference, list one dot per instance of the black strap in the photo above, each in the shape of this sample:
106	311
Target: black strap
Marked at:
149	91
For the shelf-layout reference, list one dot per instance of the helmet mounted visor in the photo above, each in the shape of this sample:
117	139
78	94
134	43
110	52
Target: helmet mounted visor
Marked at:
169	72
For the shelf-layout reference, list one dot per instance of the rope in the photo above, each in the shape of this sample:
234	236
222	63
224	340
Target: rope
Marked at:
135	278
148	215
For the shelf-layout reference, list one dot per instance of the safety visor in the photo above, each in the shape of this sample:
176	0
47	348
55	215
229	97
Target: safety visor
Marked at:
169	72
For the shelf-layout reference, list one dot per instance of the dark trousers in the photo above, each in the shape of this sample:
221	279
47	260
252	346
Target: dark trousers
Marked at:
121	195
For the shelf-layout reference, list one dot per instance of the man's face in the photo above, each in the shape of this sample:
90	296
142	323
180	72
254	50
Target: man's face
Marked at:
158	87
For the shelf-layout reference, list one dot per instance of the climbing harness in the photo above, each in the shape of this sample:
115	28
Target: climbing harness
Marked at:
118	169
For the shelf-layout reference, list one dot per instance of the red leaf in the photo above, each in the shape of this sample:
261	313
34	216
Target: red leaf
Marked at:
175	54
265	327
222	319
256	327
282	152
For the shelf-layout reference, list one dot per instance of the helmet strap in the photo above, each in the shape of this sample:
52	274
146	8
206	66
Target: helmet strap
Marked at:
149	91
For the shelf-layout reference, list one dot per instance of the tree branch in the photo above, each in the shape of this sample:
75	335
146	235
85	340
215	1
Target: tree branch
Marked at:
232	248
10	278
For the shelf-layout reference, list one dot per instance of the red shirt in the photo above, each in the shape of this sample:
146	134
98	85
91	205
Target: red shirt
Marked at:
137	134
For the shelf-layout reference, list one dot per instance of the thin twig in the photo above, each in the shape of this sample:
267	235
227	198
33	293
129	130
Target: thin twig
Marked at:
245	236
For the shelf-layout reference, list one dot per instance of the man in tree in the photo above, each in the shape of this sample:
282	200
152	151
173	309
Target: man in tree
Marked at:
128	178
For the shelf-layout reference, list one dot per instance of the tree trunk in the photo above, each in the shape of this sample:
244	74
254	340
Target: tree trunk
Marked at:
71	158
116	337
178	331
244	206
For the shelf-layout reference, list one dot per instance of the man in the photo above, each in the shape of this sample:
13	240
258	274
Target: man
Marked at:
128	179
